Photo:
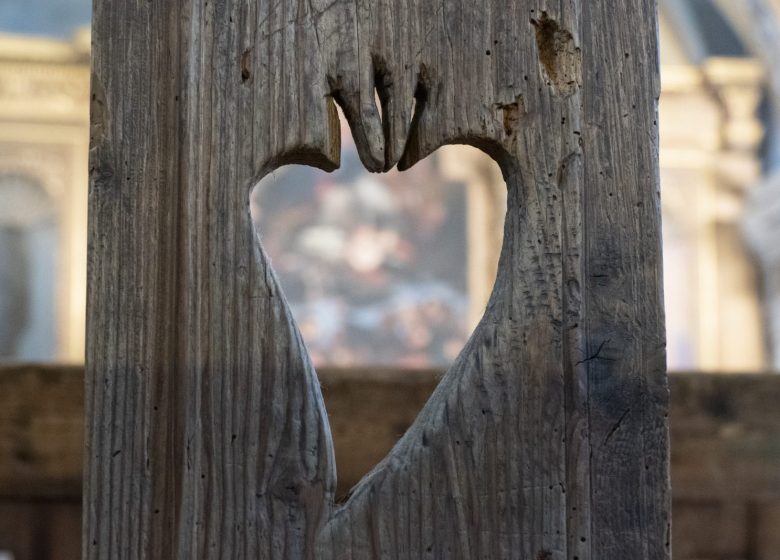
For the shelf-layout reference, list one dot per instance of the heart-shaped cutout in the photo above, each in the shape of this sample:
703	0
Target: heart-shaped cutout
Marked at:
383	272
388	269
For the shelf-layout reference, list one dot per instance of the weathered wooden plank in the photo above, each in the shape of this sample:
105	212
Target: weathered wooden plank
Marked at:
622	285
207	436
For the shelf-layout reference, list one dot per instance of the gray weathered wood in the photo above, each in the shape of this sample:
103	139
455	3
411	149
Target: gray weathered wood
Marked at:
207	436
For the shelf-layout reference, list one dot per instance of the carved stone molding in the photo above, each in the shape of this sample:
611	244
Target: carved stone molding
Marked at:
43	80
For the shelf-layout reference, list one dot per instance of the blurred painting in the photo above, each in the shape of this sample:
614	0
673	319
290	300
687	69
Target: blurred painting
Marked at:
374	266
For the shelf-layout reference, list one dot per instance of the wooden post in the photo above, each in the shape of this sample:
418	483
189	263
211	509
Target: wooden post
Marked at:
207	436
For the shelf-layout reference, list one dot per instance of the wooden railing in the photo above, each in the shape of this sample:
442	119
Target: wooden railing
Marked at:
725	433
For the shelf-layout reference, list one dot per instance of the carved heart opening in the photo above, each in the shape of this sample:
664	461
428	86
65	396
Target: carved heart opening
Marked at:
382	272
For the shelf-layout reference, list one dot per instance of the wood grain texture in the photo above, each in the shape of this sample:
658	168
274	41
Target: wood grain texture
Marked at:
207	436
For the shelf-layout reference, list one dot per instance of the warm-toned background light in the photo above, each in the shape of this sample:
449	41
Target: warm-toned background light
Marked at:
717	123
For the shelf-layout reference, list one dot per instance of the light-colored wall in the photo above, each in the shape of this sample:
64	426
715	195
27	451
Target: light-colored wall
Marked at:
44	137
710	138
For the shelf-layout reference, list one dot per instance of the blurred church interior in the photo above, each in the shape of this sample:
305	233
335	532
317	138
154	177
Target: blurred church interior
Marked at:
406	262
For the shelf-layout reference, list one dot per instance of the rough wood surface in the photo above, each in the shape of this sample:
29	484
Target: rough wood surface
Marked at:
207	436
